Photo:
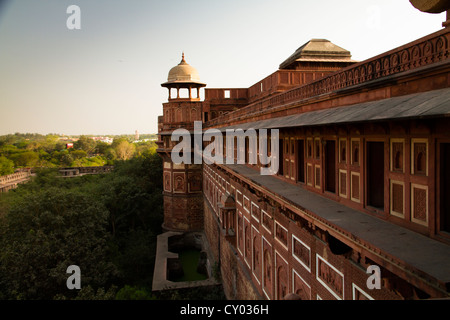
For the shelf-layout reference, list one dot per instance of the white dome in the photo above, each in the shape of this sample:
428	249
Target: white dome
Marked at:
183	73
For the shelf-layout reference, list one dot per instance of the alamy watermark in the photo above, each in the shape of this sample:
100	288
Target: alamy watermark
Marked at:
73	281
250	144
374	280
373	21
74	20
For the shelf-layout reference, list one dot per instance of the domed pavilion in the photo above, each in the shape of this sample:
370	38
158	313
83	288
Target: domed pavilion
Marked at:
183	76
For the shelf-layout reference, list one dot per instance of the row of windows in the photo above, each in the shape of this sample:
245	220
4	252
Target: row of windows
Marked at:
293	151
331	168
355	169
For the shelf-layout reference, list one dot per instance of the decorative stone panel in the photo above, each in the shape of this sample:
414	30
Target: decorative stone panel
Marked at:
419	204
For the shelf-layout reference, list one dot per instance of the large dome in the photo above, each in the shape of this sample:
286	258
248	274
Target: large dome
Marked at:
183	73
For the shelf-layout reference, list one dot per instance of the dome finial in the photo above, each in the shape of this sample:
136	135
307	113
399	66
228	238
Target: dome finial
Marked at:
182	57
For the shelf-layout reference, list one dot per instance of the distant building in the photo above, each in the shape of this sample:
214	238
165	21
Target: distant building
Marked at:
103	139
363	182
136	135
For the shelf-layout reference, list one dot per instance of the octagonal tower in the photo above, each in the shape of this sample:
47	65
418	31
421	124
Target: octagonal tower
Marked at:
183	200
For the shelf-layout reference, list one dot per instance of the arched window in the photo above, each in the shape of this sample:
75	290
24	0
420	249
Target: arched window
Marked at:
247	241
420	161
281	282
356	155
267	266
398	161
317	147
256	261
420	157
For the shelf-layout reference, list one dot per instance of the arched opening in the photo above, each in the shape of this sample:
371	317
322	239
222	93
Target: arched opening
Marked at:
420	163
184	93
194	93
267	267
193	114
281	282
398	161
247	242
356	155
317	148
173	93
179	115
256	261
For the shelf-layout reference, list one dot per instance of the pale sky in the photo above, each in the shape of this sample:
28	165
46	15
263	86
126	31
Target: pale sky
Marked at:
106	77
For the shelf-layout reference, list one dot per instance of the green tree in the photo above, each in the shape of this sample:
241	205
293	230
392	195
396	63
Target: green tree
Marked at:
101	147
34	146
133	293
51	143
125	150
110	154
6	166
85	143
8	149
133	193
26	159
89	162
88	293
144	147
22	144
78	154
43	234
65	159
106	224
133	196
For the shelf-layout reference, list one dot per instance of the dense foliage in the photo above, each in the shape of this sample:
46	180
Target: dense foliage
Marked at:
106	224
49	151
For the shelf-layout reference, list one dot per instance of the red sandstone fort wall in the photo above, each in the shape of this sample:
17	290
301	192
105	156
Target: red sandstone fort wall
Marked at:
236	280
273	255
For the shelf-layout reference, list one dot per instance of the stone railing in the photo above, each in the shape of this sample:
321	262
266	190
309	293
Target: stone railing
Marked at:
13	177
11	181
423	52
77	171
